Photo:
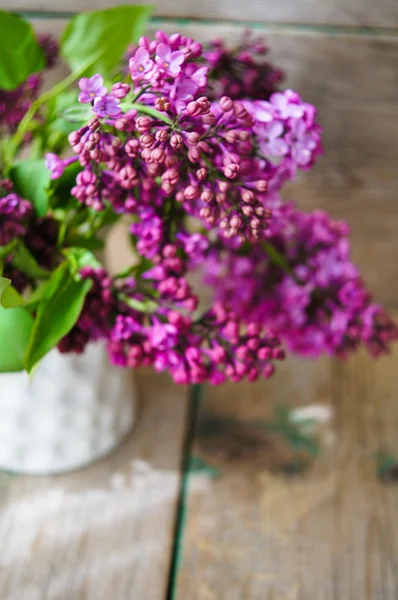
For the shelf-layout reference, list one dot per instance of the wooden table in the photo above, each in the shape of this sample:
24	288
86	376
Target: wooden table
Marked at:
214	497
217	496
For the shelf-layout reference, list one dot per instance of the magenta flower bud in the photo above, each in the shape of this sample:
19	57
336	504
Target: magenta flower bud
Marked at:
202	173
204	103
247	210
248	196
74	137
192	354
120	90
253	374
231	136
253	343
218	354
242	352
132	148
194	154
194	109
162	104
204	146
169	251
191	192
176	141
226	104
209	119
144	124
147	139
264	353
262	185
240	112
193	138
236	222
231	171
162	135
158	155
223	186
253	329
207	196
268	370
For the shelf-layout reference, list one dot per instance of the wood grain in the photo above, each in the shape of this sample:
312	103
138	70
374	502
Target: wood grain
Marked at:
353	13
106	531
329	533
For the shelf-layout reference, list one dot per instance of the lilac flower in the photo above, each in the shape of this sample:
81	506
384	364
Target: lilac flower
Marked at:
271	142
92	88
140	64
288	104
302	142
56	165
106	106
169	61
162	336
261	111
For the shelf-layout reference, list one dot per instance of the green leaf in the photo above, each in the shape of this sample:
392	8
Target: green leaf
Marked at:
31	180
24	261
82	241
59	308
20	53
80	258
80	113
9	297
112	30
15	328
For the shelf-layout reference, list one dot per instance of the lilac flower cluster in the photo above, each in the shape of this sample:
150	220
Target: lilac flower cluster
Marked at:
15	103
193	147
177	151
243	71
211	348
316	302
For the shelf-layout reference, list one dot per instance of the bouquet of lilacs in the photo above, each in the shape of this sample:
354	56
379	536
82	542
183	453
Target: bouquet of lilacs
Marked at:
190	146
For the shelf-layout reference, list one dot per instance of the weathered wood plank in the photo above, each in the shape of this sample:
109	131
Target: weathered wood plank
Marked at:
353	81
106	531
354	13
327	534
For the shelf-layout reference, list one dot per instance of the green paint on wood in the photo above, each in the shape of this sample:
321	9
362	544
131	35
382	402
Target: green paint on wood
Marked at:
193	416
197	466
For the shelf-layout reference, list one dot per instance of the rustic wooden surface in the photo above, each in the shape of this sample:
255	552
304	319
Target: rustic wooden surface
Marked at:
351	13
330	533
106	531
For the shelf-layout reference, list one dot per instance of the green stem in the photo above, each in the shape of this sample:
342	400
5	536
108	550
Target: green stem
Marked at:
23	126
148	110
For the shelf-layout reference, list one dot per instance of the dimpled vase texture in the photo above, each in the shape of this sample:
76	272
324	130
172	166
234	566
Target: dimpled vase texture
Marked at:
73	410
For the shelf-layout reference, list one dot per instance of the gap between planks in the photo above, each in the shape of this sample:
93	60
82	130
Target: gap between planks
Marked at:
329	534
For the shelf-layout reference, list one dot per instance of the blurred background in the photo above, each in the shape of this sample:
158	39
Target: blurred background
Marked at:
226	495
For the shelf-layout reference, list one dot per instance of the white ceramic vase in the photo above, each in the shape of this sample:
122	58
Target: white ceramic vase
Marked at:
74	410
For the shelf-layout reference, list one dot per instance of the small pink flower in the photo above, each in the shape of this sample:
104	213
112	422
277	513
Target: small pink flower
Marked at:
141	64
91	88
271	141
288	104
302	143
108	106
169	61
